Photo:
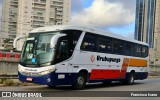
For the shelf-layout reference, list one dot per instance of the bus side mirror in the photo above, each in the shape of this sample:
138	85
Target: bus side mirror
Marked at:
16	39
54	40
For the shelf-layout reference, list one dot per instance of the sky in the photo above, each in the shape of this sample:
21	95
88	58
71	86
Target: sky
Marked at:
116	16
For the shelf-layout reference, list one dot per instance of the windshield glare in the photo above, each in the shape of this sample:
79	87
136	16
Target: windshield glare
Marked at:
37	49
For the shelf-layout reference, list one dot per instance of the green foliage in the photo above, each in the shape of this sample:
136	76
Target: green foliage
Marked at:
6	44
10	82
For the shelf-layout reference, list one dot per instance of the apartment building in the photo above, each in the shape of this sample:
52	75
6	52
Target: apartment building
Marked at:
21	16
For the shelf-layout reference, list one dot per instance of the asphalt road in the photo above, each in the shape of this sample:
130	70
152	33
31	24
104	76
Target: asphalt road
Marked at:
147	85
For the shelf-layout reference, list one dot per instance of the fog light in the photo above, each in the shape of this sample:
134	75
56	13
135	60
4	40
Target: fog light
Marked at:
48	79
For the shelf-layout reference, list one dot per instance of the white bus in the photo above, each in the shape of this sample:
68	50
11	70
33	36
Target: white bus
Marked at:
74	55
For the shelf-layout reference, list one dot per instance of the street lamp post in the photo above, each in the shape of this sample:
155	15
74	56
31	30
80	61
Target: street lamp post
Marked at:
155	51
55	16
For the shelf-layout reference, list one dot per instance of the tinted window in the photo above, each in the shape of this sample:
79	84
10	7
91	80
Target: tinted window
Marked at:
89	42
63	49
129	49
72	37
28	52
66	45
144	51
118	47
105	45
138	50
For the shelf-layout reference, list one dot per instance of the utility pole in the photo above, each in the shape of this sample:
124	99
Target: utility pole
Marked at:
155	51
55	16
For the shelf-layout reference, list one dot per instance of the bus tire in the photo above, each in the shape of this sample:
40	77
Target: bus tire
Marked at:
131	78
80	81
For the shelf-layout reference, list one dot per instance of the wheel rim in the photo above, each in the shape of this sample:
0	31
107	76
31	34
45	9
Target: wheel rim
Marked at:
80	80
132	79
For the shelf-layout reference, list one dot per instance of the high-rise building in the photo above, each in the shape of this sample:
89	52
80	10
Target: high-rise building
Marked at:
21	16
9	19
147	26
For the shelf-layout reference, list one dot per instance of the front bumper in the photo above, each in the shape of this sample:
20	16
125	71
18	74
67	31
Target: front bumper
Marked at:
50	79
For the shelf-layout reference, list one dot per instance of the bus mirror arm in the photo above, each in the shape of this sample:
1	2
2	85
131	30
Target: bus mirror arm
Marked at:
55	38
16	39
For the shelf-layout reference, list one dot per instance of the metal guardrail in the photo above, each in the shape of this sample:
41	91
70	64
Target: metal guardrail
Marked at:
14	60
9	56
8	76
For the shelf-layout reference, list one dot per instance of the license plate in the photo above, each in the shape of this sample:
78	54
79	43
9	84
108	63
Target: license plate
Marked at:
29	79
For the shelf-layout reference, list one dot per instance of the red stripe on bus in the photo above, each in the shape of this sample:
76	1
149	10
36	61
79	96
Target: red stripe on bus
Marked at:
124	67
102	73
110	74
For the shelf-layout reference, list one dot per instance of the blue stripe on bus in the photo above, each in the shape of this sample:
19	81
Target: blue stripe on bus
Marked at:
70	78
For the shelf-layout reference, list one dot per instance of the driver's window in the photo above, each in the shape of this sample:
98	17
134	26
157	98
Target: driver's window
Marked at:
62	51
66	45
29	51
29	47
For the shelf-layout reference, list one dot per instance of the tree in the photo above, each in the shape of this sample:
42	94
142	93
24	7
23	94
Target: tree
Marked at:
6	43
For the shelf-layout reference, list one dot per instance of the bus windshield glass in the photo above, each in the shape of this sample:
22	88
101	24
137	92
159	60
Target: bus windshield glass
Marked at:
37	51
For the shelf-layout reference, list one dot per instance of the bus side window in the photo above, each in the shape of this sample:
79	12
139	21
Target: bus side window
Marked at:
62	51
72	37
66	45
89	42
138	50
118	47
102	46
105	45
129	49
144	51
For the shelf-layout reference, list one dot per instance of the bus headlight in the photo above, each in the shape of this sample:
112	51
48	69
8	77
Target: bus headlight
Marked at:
46	64
46	72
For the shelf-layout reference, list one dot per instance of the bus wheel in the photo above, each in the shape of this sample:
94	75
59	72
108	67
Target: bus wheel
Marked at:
131	78
80	81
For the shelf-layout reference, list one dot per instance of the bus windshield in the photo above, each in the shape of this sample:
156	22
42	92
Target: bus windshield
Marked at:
37	51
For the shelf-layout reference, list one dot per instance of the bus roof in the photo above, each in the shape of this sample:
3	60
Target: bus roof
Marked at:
86	29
